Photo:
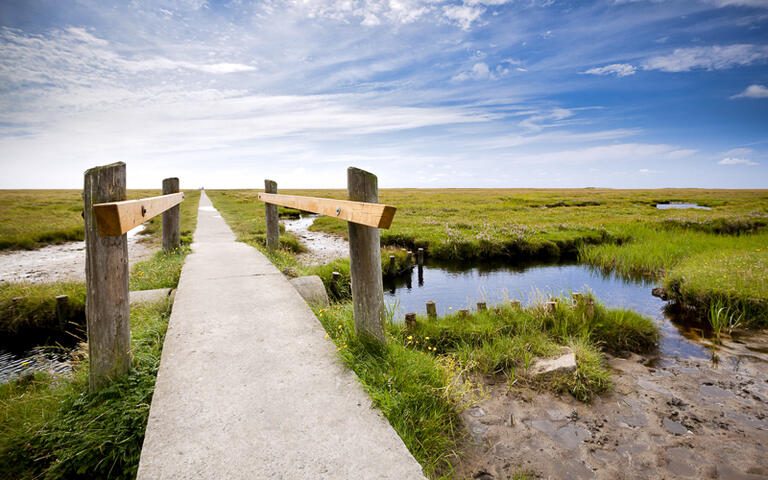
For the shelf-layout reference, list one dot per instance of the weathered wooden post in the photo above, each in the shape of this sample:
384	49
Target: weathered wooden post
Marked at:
61	310
463	313
106	280
365	261
431	310
410	321
481	306
409	259
515	304
551	306
392	265
420	256
273	225
171	217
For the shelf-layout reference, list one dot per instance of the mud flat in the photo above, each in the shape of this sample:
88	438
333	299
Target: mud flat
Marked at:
322	247
667	417
64	262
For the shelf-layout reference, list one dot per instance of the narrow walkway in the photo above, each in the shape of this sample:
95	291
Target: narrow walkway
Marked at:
248	386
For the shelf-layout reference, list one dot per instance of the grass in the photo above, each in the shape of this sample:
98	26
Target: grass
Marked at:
425	375
699	255
54	429
32	219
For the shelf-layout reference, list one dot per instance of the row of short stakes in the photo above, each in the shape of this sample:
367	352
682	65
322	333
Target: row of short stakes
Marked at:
551	305
409	260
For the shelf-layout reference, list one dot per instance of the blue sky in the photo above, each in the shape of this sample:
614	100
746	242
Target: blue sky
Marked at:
424	93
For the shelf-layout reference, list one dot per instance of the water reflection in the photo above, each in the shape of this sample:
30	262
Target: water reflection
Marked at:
454	287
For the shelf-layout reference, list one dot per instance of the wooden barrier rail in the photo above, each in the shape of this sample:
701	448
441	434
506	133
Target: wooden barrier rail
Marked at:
364	216
108	216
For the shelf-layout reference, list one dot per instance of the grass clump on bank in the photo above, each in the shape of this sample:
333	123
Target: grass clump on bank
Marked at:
425	375
161	271
54	429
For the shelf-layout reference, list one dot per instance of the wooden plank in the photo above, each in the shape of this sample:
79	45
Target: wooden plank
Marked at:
370	214
116	218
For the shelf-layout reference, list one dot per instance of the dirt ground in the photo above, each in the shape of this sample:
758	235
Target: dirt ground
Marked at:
57	263
665	418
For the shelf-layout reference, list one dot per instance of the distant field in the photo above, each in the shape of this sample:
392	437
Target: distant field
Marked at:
700	255
32	219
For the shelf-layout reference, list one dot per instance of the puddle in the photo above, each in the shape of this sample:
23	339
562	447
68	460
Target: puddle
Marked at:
323	247
681	206
459	288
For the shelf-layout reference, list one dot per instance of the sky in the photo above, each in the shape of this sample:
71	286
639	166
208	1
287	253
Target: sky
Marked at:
423	93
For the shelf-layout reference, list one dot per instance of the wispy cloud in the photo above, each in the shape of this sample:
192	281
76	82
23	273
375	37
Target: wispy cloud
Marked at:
753	91
708	58
463	15
737	161
618	69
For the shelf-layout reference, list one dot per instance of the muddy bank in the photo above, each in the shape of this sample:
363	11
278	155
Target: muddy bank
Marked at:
322	247
64	262
667	417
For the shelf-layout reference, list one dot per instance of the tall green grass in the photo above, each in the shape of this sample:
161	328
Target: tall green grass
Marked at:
53	428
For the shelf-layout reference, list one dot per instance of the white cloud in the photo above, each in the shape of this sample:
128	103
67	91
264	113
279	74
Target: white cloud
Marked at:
463	15
709	58
738	152
744	3
618	69
737	161
753	91
481	71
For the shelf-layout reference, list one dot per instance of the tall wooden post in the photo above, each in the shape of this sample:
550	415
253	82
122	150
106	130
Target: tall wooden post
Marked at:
106	281
171	217
365	261
273	225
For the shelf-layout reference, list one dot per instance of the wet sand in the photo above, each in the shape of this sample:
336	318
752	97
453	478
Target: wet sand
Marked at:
323	247
56	263
666	417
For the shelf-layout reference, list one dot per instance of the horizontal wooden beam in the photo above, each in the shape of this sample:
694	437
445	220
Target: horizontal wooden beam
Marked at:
370	214
116	218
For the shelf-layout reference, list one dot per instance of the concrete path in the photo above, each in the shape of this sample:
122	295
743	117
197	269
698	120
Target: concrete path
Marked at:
248	386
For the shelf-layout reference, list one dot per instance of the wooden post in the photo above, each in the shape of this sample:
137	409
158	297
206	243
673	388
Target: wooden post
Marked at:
515	304
391	264
365	261
551	306
335	276
61	310
481	306
171	217
420	256
463	313
410	320
590	307
106	280
431	310
576	298
273	225
409	259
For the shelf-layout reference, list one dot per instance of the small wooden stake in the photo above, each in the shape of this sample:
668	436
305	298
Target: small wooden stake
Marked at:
335	276
365	261
273	225
481	306
590	307
409	259
62	302
171	217
420	256
431	310
410	320
515	304
463	313
551	306
391	264
106	280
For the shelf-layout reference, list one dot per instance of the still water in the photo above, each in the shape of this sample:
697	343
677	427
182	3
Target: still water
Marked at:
453	288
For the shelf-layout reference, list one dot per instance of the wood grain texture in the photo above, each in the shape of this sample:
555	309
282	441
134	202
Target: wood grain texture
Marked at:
106	281
365	261
273	222
116	218
371	214
171	217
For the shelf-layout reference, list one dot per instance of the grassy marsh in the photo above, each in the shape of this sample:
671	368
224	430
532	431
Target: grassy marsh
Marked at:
699	255
32	219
